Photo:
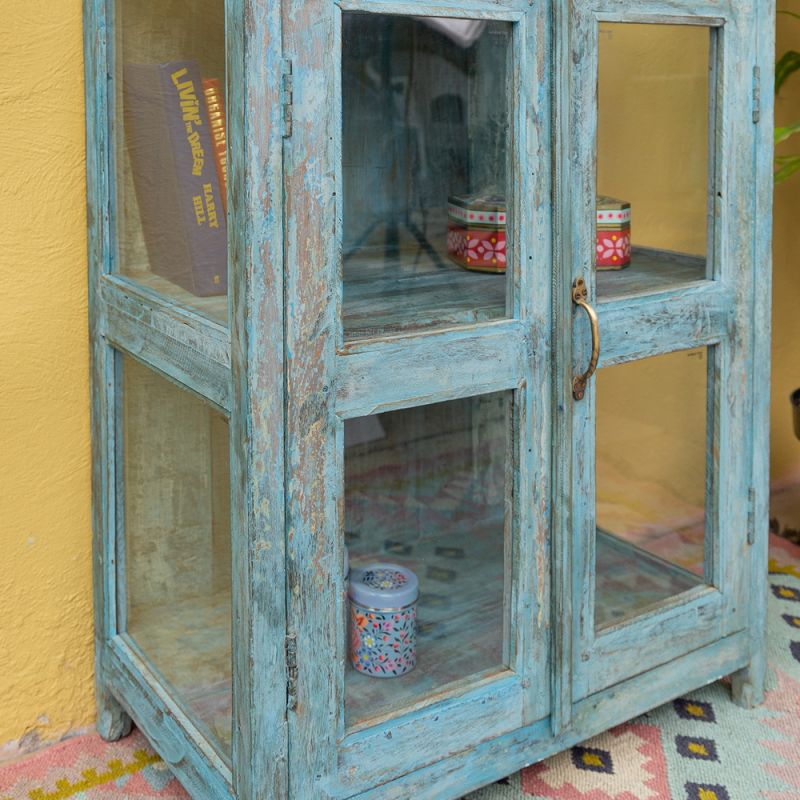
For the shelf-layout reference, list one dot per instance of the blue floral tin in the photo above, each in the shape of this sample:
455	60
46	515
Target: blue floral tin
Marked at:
383	620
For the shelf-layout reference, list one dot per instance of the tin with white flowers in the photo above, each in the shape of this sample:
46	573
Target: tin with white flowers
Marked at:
613	233
476	231
383	620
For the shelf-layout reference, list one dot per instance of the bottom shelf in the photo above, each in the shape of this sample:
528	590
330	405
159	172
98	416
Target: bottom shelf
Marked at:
189	642
630	581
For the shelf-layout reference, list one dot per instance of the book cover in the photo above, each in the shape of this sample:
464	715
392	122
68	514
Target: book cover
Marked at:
215	106
172	157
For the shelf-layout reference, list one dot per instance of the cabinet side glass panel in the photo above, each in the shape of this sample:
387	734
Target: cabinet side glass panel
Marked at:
652	482
653	157
425	146
427	491
177	559
171	159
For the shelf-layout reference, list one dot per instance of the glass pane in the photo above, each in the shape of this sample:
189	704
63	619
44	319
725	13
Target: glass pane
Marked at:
426	491
425	131
178	541
652	156
651	481
170	149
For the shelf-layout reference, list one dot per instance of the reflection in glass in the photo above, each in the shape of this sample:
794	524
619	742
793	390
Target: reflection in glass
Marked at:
425	130
171	149
651	472
425	489
178	541
653	153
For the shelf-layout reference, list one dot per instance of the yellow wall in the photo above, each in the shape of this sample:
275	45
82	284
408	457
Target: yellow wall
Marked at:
45	538
786	291
45	565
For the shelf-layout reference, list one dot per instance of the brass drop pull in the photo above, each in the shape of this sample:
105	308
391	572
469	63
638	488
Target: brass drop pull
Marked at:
579	295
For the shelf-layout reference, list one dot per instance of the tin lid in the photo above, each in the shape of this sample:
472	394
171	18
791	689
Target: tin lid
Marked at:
606	202
479	201
383	586
486	211
611	211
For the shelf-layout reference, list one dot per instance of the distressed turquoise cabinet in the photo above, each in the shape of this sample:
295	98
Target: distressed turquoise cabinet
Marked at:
479	289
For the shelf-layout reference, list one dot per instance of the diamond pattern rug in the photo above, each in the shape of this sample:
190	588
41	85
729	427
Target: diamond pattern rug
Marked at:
699	747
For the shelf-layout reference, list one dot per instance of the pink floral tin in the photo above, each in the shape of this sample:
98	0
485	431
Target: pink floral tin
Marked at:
476	232
613	233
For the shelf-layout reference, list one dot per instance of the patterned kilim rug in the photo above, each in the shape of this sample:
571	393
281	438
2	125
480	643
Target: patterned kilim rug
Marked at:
699	747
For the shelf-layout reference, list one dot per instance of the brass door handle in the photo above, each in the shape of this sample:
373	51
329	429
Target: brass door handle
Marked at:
579	295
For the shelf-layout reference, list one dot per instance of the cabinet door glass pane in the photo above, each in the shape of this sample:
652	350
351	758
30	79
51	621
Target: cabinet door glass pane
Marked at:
171	149
426	489
425	143
653	171
651	470
177	573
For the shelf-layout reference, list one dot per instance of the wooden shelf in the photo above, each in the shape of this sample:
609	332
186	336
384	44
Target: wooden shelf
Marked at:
385	295
390	295
215	308
629	580
189	643
460	637
650	271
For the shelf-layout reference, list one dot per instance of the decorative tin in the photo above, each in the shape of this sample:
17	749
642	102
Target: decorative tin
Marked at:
383	620
613	233
476	232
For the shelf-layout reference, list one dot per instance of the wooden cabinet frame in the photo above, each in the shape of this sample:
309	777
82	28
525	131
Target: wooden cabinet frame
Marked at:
287	379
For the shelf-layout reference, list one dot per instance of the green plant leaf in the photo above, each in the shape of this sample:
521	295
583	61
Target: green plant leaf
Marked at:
787	64
786	166
782	134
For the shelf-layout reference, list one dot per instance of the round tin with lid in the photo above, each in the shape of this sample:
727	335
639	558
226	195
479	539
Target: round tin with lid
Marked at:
383	620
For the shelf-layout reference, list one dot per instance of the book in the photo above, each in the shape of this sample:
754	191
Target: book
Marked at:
171	152
215	106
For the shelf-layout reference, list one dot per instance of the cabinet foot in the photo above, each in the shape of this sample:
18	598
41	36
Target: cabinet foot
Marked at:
112	721
747	685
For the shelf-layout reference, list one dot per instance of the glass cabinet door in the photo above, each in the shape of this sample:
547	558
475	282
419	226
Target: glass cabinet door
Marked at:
425	147
426	488
659	508
418	442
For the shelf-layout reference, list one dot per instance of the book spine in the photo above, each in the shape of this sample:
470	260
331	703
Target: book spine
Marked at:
198	189
215	106
154	174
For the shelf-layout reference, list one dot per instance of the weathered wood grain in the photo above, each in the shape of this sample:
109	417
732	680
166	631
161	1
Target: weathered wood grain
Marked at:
481	713
677	12
189	349
402	372
654	325
314	543
748	685
496	758
112	720
256	269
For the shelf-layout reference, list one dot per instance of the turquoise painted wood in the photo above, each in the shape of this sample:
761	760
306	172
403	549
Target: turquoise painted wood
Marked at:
289	357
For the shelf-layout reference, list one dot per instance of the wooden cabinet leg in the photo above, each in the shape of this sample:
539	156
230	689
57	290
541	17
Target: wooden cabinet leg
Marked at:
747	685
112	721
